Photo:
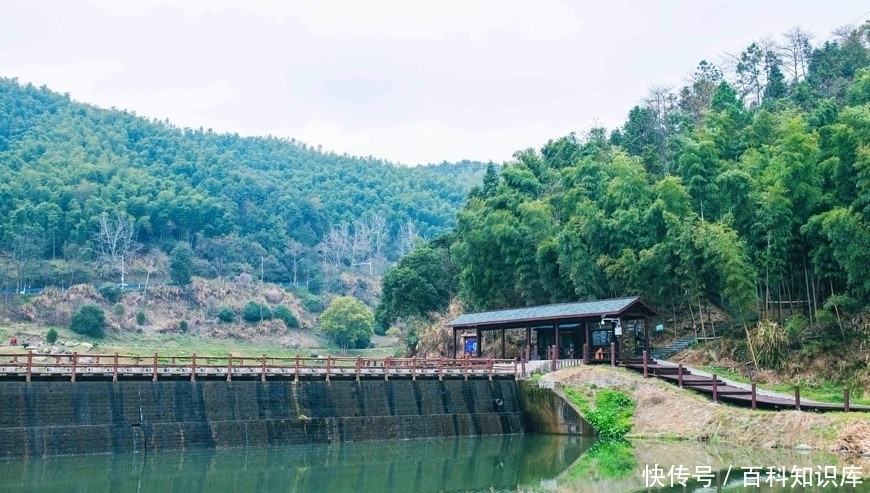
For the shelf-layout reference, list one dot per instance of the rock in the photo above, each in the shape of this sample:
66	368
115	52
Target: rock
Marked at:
55	350
768	445
803	446
86	345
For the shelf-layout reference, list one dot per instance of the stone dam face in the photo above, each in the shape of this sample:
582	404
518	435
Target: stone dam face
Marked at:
65	418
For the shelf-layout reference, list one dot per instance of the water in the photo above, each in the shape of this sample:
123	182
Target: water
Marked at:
498	463
516	463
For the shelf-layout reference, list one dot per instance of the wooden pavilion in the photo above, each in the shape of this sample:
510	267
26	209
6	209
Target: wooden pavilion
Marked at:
588	329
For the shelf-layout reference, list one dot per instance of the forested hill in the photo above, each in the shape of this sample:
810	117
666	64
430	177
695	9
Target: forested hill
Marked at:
242	203
748	184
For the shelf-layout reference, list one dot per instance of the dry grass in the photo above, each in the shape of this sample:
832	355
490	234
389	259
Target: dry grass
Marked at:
664	411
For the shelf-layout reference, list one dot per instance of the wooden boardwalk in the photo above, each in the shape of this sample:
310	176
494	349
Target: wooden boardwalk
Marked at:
81	367
721	391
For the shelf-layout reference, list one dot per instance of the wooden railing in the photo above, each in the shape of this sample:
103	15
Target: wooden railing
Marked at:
75	365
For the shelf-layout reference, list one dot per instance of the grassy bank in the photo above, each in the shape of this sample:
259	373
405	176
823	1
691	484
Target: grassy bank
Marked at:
664	411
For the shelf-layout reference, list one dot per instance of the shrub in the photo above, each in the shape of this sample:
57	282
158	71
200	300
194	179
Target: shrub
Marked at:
51	336
313	304
182	325
89	320
140	318
348	322
110	292
254	312
226	315
283	313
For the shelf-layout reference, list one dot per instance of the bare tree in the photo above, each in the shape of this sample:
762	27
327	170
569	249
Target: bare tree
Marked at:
377	226
661	101
796	51
27	244
295	250
116	241
334	245
408	237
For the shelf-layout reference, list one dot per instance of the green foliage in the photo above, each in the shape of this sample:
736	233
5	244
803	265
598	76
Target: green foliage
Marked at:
284	314
226	315
110	292
610	416
89	320
606	459
421	282
348	322
770	343
255	312
140	318
51	336
181	264
182	325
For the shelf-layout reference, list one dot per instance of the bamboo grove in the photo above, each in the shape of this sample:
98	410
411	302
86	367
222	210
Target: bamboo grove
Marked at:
748	188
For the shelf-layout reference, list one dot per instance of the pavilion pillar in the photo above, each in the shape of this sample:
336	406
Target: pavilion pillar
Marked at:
454	342
478	334
621	339
586	324
646	334
528	336
502	344
556	338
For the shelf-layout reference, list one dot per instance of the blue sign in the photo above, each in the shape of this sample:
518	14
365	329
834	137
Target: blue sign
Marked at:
471	345
660	328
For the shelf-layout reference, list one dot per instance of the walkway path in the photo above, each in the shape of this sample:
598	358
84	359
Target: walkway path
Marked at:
734	392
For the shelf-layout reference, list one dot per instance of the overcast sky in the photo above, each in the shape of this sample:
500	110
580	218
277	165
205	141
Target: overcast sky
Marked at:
408	81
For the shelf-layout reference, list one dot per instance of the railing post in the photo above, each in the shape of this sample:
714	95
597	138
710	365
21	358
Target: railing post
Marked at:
74	364
523	363
230	368
715	390
29	365
387	368
414	368
645	366
585	353
680	375
154	369
465	369
296	371
358	367
612	354
115	368
797	397
193	367
516	369
491	367
440	368
263	369
754	402
845	399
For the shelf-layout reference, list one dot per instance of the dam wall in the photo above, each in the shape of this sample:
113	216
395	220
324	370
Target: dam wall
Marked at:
41	419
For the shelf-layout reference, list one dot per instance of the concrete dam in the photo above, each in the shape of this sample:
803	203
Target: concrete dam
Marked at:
47	418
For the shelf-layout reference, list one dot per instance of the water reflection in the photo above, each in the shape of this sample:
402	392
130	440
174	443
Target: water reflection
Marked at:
651	466
501	463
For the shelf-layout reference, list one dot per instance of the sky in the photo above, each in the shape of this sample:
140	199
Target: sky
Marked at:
408	81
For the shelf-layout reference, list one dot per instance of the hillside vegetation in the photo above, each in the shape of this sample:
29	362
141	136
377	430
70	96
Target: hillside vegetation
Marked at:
90	194
747	189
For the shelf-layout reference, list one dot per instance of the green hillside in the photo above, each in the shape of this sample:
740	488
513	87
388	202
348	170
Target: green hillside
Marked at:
265	206
747	189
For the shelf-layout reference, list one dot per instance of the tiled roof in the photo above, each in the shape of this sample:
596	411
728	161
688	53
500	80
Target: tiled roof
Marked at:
582	309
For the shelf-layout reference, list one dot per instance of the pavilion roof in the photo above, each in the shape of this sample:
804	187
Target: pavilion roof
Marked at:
614	307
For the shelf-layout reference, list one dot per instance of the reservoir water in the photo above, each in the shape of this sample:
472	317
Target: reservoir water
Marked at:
515	463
